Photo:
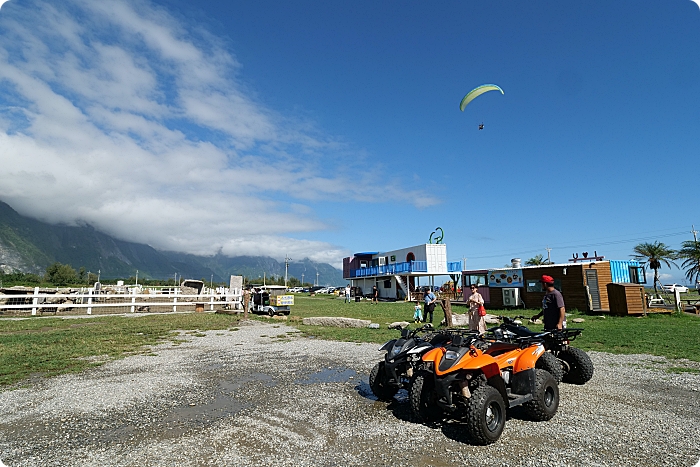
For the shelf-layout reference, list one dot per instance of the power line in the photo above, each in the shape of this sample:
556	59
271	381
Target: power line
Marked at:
583	245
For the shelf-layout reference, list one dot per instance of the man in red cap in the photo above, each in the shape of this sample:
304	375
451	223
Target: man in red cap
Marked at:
552	306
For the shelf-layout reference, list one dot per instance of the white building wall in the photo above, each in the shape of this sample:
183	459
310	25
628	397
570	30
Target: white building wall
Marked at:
437	258
435	255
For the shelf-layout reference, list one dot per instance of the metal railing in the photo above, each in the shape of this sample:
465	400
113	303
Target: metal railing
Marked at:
390	269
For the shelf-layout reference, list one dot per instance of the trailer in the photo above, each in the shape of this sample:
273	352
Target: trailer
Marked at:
271	300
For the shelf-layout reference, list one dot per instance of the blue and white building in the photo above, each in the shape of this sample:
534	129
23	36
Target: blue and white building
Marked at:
399	273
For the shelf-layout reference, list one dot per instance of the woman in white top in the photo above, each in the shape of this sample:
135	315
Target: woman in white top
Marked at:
476	322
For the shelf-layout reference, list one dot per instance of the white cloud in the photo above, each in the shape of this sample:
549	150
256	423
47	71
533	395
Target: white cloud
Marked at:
117	115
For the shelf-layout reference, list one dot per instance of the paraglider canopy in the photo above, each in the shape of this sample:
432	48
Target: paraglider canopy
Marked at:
476	92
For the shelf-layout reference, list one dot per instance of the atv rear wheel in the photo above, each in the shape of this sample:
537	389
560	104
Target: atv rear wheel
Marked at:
486	415
378	384
580	366
423	398
545	399
271	311
550	363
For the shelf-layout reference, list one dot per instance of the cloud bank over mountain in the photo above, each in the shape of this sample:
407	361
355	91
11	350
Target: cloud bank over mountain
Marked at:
126	117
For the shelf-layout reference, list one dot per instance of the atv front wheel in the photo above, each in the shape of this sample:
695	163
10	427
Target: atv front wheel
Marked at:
378	384
486	415
423	398
545	399
580	366
550	363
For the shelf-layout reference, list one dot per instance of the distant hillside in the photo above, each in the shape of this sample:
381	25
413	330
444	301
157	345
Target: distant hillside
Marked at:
29	245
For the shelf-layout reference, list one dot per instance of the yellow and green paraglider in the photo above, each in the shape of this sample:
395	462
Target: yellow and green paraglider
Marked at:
476	92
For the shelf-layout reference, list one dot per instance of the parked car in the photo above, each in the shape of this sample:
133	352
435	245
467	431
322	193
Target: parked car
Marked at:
673	287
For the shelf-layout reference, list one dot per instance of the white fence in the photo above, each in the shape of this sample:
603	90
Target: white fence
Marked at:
49	302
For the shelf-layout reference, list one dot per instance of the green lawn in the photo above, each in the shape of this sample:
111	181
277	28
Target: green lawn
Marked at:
51	346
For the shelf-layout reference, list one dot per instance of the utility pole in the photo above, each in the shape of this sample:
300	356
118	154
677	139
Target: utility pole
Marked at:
98	275
302	279
286	267
549	260
317	277
464	263
697	278
137	277
211	282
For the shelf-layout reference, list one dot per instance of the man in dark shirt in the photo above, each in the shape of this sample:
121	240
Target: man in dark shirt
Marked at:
553	308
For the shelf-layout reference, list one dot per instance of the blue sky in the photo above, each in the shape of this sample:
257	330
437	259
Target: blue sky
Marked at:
319	129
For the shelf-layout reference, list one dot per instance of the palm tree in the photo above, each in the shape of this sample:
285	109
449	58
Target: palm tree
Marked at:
538	260
690	252
655	254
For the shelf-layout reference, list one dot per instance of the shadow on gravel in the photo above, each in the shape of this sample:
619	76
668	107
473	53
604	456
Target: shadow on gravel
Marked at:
365	391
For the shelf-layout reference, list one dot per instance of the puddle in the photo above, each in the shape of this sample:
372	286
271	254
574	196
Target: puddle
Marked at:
230	386
365	391
329	375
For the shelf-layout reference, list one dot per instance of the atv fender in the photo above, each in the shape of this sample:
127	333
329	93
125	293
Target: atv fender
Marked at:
486	363
388	345
528	358
434	355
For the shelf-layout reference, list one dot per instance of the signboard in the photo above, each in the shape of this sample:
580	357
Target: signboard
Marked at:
505	278
282	300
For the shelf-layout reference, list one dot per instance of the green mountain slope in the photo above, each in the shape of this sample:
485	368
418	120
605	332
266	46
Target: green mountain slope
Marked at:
29	245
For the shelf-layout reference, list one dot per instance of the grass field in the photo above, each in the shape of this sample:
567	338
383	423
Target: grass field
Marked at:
51	346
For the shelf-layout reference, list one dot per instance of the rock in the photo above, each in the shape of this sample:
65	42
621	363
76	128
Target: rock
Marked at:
578	320
535	321
373	326
459	319
491	319
337	322
398	325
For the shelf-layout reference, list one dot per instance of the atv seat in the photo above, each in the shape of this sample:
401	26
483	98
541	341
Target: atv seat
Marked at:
499	348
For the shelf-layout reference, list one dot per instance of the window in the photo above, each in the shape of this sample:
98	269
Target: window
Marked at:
478	279
387	284
638	275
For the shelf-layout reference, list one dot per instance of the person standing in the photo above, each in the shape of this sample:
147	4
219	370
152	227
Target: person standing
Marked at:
429	298
347	293
375	294
553	309
476	301
417	314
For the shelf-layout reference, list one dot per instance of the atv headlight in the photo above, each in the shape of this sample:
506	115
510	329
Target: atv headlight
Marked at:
395	350
451	355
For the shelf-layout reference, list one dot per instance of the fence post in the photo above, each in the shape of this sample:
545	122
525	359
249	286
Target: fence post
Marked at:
175	302
89	309
211	301
35	300
133	299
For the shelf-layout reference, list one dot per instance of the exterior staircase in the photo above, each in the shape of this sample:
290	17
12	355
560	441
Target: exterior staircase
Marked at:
402	283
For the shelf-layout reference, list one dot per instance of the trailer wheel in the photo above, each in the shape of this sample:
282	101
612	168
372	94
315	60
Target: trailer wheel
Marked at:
271	311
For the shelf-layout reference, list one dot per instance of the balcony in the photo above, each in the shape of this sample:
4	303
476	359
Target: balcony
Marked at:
454	266
390	269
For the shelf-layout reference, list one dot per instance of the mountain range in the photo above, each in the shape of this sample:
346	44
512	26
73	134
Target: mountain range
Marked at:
29	245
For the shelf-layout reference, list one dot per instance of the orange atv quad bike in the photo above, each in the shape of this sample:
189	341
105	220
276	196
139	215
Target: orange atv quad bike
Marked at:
478	386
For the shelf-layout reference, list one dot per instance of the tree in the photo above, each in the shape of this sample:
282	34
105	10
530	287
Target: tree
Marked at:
690	253
61	274
536	261
655	254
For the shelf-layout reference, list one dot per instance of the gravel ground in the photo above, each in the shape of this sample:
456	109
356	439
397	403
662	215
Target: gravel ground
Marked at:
262	395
